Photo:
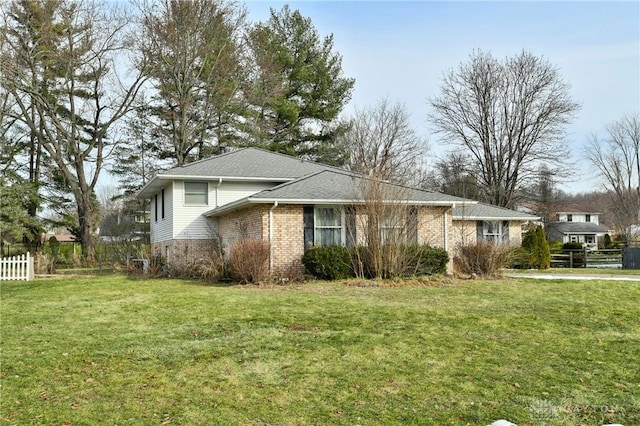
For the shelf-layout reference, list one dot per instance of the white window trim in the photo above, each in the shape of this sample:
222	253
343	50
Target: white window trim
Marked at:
342	226
496	237
184	198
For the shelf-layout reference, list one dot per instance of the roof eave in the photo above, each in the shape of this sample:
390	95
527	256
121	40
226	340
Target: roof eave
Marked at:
524	219
249	201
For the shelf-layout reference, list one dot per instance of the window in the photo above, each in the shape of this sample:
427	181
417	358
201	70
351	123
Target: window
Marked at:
587	218
163	204
493	230
569	218
328	226
399	226
196	193
590	239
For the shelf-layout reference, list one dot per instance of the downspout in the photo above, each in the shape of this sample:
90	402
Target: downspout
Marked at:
275	204
446	231
217	190
449	267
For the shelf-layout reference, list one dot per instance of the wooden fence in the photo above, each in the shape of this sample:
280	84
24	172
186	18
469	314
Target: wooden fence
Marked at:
582	258
16	268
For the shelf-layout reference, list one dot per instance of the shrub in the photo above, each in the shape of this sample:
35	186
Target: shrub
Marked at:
208	268
555	246
401	261
328	262
425	260
572	246
157	267
482	259
249	261
536	246
520	258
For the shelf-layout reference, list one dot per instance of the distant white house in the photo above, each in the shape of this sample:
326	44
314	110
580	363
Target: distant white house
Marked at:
577	227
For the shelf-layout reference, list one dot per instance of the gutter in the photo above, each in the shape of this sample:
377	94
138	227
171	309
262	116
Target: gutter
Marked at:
218	190
275	204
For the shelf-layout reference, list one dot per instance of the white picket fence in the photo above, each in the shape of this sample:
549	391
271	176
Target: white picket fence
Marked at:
16	268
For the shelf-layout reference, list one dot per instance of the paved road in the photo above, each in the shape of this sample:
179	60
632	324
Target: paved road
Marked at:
552	276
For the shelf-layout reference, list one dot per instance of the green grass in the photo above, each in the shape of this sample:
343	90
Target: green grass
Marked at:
112	350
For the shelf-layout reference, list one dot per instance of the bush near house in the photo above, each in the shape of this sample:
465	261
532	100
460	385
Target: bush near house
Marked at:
483	259
572	246
249	261
336	262
535	253
328	262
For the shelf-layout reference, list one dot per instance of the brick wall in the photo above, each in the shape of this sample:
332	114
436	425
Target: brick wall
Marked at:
247	223
287	244
431	227
465	232
183	251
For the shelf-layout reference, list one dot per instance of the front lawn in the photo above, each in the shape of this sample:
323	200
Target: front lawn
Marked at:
113	350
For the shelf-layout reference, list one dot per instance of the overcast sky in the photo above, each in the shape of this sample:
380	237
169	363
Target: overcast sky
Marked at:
400	50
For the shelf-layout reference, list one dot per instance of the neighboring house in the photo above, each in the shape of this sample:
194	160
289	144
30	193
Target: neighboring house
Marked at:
577	227
474	222
124	225
293	204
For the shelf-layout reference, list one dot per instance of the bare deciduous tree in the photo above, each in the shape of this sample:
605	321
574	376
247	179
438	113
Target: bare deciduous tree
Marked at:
510	115
59	66
617	160
382	144
191	53
453	176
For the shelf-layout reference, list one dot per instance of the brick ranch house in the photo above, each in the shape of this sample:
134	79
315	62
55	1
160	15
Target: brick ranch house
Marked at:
295	204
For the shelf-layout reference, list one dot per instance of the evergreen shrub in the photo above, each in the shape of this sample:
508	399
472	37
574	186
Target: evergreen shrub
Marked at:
328	262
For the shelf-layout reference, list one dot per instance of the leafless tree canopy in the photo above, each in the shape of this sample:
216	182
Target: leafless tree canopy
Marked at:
617	160
58	66
454	175
191	52
510	115
382	144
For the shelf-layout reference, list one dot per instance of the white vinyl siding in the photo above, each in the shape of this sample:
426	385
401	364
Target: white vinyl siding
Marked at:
162	228
229	192
189	223
579	217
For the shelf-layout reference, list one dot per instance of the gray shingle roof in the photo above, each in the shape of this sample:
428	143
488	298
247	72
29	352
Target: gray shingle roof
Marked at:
577	228
481	211
339	187
242	164
249	163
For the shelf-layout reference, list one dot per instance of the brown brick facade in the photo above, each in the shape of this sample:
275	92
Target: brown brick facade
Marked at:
287	245
183	251
287	234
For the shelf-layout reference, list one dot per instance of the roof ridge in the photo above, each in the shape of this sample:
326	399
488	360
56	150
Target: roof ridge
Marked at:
252	148
206	159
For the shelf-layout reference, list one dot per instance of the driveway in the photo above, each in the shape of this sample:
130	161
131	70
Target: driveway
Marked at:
577	276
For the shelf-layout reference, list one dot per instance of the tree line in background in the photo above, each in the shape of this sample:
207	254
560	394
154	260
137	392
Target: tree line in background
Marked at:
88	88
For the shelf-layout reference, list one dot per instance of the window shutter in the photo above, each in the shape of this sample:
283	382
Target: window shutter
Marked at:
479	233
505	232
412	225
350	224
307	218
